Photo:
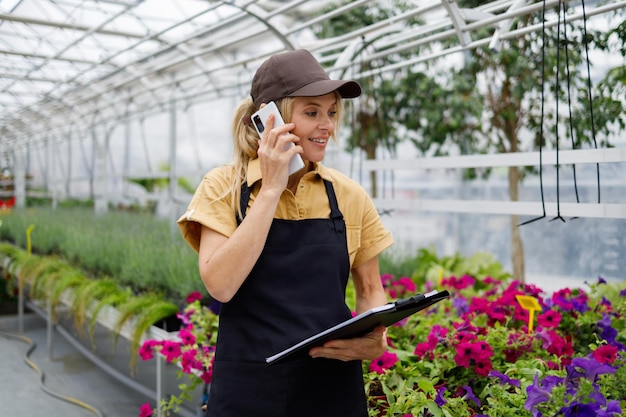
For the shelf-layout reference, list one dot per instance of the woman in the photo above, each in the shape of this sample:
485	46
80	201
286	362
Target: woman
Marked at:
277	251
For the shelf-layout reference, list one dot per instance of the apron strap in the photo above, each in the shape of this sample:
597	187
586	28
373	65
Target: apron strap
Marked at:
335	213
243	201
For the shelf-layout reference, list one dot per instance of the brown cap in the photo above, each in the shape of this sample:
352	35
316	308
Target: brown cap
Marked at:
296	74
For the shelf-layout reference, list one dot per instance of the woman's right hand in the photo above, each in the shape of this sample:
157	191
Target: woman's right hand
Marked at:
274	154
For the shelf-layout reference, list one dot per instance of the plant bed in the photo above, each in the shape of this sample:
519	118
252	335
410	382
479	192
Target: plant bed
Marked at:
475	354
53	281
114	355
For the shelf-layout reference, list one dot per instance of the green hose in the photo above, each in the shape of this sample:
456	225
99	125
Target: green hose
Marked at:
41	374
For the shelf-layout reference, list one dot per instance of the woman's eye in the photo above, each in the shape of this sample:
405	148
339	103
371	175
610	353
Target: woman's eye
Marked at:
332	113
311	113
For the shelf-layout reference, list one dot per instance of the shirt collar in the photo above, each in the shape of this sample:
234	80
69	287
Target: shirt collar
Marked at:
254	171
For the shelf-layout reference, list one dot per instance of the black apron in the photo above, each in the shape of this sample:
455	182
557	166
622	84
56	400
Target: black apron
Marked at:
296	289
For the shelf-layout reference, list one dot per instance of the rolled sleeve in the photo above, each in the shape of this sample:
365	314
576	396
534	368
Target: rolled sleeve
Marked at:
210	207
374	237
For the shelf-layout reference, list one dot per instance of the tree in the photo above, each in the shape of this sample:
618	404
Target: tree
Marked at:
370	129
521	87
502	101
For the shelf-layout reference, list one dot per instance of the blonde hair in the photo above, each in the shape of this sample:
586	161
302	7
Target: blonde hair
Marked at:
246	145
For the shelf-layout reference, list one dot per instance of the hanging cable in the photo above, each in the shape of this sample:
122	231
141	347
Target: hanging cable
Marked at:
44	388
556	117
569	103
593	129
543	100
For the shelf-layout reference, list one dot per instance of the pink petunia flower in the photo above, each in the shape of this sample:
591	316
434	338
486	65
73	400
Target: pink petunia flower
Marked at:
193	296
384	362
386	279
550	319
483	367
186	337
171	350
146	351
189	361
605	354
207	376
145	410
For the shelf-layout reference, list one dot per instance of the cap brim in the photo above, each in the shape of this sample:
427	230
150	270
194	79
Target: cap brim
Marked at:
347	89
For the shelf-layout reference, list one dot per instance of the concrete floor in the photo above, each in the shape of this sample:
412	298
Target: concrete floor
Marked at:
87	389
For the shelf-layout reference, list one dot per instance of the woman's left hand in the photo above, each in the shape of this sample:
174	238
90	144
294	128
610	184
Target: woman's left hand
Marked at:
368	347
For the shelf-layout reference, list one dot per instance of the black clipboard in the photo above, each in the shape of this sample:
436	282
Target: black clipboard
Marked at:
365	322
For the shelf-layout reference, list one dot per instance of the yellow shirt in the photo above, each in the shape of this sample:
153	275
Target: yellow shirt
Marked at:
366	234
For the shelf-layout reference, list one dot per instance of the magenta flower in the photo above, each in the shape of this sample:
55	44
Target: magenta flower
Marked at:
146	351
145	410
436	336
171	350
459	283
185	317
207	376
407	283
400	287
550	319
189	361
186	337
384	362
492	281
605	354
421	349
464	353
483	367
386	279
558	345
193	296
477	354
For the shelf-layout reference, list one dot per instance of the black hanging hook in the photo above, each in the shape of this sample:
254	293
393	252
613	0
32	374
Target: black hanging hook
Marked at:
543	83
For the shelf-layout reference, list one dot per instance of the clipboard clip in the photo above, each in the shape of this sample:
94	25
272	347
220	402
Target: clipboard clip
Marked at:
408	302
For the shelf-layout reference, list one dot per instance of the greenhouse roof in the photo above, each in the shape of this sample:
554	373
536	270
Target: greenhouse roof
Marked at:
69	64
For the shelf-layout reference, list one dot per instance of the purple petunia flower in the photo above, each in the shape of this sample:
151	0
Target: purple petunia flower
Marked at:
591	368
461	305
215	307
439	400
613	409
609	333
536	394
504	379
576	409
469	395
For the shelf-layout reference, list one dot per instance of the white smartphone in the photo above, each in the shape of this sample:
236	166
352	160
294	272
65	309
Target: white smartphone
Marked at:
258	120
